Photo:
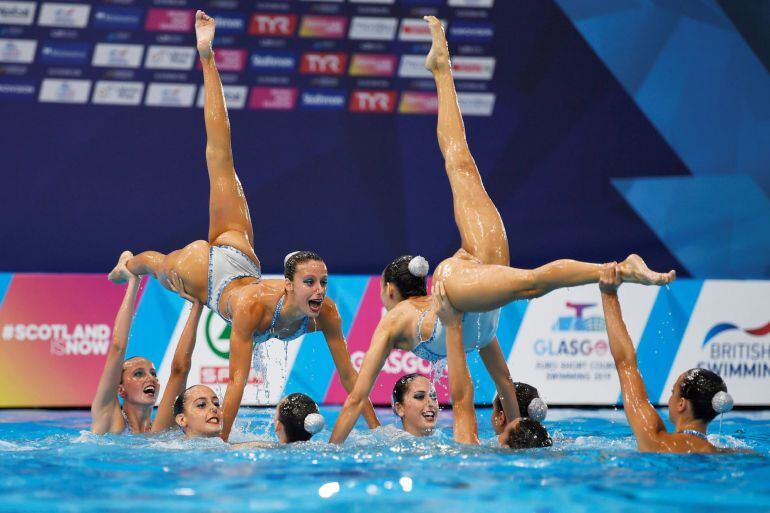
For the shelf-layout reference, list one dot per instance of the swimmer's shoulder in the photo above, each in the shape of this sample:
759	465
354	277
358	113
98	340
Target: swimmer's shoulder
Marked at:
253	308
401	323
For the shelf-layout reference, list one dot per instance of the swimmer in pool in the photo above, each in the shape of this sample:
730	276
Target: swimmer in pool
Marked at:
530	405
697	397
414	402
135	379
478	279
224	272
197	412
520	433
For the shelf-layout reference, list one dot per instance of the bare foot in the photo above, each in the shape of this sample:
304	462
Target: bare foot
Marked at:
634	270
121	274
204	34
438	57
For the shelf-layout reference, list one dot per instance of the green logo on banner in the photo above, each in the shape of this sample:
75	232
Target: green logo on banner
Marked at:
218	335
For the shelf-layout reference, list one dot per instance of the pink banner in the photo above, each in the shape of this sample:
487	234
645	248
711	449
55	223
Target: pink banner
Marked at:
55	332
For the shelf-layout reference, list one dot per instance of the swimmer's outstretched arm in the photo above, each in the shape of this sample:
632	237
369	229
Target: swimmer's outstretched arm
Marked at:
383	341
105	408
465	427
244	324
645	422
180	365
331	325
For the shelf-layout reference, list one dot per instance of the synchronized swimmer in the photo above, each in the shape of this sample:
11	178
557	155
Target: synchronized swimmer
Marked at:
460	316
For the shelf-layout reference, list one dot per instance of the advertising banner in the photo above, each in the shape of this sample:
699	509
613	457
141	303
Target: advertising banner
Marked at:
55	331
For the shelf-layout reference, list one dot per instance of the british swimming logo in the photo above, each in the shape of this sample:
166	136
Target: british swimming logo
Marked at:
726	326
735	352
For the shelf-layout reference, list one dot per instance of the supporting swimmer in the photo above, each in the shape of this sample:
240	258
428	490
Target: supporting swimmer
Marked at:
697	397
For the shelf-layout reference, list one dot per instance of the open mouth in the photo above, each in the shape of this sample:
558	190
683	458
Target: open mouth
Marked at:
213	420
430	416
150	390
315	305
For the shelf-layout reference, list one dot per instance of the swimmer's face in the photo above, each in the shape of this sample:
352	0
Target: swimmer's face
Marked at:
676	403
280	432
497	419
139	382
419	409
309	286
202	416
505	432
389	294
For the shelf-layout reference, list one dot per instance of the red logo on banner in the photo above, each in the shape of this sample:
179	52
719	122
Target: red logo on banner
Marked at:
372	101
275	98
228	59
169	20
275	25
398	363
314	63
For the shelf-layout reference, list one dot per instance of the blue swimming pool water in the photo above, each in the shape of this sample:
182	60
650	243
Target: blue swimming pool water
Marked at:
49	462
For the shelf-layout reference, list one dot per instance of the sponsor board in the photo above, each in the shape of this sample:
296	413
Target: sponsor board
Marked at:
117	55
235	96
318	63
113	92
476	104
63	15
169	20
372	65
373	28
17	90
65	53
229	22
229	60
471	3
562	346
372	101
273	61
472	31
116	18
729	333
19	51
170	95
273	98
473	68
17	13
413	66
416	102
64	91
415	29
329	99
272	24
323	27
48	335
170	57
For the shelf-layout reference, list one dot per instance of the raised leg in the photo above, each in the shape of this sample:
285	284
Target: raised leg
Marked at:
480	288
229	218
481	227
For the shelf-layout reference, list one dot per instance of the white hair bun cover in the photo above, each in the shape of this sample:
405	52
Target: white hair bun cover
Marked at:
419	267
287	257
722	402
537	409
314	423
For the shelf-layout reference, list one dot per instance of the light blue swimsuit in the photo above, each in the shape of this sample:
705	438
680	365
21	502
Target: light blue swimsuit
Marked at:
270	332
479	328
226	264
